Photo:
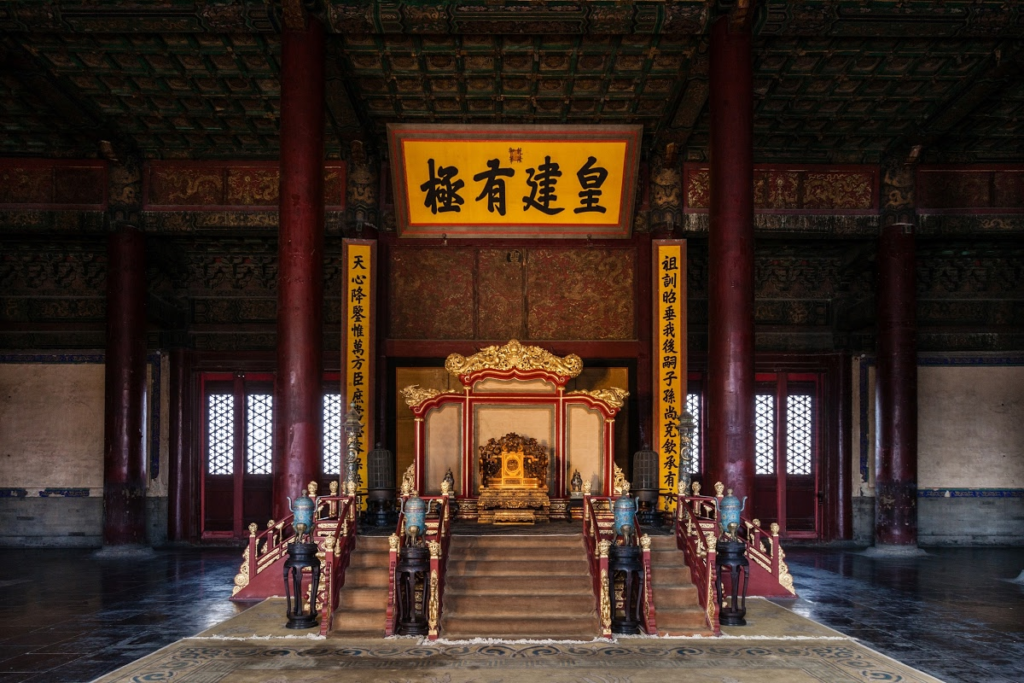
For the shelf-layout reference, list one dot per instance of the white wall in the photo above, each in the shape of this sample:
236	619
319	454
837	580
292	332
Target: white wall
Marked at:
51	426
970	427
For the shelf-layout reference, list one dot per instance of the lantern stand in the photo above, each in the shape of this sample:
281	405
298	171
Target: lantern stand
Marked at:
301	557
626	572
731	556
411	577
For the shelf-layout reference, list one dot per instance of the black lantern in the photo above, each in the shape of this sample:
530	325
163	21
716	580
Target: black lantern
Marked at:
301	556
411	577
353	427
645	481
380	493
626	571
731	558
687	426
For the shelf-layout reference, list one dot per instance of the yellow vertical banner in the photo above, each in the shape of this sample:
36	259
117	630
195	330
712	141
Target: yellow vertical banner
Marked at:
669	360
358	304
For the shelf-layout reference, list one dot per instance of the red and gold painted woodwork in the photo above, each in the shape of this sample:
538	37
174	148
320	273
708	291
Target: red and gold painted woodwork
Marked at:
358	339
531	293
668	271
543	182
781	188
974	189
53	184
512	363
227	186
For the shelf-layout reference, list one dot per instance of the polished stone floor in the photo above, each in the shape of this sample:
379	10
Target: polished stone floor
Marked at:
66	616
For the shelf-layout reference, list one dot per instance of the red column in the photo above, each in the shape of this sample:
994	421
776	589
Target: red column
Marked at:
300	265
730	405
124	453
896	391
181	472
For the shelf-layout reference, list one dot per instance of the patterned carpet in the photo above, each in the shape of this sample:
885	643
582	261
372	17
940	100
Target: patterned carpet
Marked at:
249	649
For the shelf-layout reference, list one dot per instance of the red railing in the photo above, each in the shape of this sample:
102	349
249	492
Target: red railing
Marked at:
336	537
438	537
697	531
697	536
598	537
649	613
438	561
269	547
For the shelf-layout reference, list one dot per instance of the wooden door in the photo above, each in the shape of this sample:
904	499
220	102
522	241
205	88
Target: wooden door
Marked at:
237	445
787	445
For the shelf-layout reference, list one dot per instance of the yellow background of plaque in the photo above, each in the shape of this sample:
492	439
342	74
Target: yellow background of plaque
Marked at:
364	253
471	157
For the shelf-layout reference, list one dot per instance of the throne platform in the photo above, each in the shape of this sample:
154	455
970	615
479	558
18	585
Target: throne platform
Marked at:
513	472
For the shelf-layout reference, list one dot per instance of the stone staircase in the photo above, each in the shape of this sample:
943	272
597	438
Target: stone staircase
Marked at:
677	607
364	597
519	587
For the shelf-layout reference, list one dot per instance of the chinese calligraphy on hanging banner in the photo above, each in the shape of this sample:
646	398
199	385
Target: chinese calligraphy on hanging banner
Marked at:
669	335
546	181
357	343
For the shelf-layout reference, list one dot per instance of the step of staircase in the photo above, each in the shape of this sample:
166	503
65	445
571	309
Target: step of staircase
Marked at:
364	597
677	605
518	587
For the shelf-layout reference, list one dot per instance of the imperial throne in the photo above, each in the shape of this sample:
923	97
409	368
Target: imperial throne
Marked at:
513	481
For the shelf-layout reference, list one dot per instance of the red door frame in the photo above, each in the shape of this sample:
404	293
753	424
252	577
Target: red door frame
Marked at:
781	382
239	381
835	514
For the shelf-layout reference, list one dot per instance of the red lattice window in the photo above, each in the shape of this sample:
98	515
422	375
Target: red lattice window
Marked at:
693	408
332	433
259	434
764	434
220	434
799	443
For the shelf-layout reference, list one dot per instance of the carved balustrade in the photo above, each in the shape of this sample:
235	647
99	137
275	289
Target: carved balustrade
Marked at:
437	537
598	536
334	532
697	530
697	536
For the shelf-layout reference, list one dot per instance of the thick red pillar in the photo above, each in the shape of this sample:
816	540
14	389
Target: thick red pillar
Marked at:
124	453
896	391
182	471
730	405
300	265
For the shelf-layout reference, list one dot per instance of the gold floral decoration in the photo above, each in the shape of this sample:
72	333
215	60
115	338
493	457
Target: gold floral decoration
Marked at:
415	394
514	356
613	396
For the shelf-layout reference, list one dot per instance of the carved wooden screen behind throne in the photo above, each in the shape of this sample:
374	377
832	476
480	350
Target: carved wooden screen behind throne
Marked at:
514	389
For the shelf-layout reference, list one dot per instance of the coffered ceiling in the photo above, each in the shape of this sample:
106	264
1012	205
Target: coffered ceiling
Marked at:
834	80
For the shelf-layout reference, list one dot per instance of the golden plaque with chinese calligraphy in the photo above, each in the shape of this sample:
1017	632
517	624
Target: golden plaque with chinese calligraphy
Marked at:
522	181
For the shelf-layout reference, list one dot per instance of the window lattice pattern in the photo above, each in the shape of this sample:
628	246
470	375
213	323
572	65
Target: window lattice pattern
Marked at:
693	408
798	435
764	434
332	433
220	434
259	433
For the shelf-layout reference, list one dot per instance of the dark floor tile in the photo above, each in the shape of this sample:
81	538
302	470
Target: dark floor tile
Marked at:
16	677
36	662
